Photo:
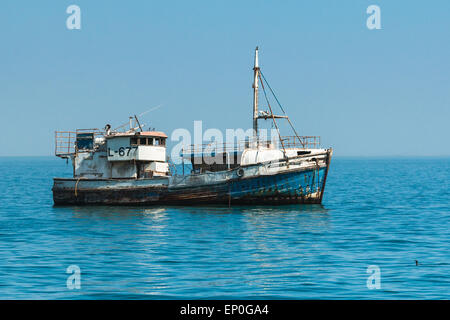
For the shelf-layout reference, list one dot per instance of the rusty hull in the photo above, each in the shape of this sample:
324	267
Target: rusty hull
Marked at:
255	185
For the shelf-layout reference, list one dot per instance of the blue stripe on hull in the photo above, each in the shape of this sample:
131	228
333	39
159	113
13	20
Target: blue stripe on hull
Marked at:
293	184
281	188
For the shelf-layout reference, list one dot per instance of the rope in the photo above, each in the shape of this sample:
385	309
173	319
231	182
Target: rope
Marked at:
76	186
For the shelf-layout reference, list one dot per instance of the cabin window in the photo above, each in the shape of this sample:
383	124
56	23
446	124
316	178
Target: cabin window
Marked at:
85	141
163	141
133	141
150	141
157	141
142	141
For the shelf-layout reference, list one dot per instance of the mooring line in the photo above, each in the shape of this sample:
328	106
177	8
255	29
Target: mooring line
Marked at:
76	186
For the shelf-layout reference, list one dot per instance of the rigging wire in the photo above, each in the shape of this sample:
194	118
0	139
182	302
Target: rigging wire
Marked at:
279	104
273	93
273	117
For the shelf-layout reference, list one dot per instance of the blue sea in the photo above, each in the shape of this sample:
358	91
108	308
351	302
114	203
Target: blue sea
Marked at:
382	212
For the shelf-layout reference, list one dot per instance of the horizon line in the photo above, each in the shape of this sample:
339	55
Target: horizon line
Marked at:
334	156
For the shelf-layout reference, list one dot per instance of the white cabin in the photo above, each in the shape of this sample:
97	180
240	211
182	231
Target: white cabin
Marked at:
115	155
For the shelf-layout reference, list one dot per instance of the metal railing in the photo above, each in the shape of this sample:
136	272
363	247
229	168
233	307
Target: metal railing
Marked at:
305	142
66	141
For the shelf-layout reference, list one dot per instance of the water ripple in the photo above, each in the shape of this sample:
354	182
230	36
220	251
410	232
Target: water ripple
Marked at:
384	212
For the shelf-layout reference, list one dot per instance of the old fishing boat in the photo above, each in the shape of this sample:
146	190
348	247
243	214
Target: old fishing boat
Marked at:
131	166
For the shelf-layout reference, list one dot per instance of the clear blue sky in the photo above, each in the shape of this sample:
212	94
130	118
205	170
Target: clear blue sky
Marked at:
366	92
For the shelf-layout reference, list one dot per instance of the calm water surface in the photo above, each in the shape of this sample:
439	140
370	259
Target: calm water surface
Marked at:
384	212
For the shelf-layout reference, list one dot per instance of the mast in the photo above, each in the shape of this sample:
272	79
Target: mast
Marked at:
255	97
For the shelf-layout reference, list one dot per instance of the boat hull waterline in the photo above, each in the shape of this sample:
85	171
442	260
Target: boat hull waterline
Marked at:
287	181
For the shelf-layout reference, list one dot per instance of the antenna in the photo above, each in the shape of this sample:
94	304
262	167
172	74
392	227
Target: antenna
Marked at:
140	115
137	121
